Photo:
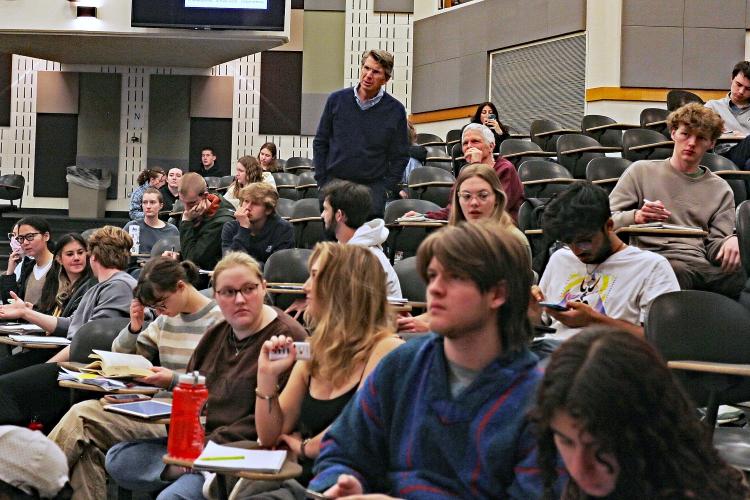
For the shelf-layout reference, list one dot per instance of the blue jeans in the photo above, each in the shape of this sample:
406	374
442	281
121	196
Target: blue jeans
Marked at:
137	466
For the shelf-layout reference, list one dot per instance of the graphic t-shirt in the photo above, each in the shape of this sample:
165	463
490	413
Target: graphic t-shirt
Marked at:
621	287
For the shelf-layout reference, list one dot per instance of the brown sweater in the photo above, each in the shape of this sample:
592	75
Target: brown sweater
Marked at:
706	201
231	378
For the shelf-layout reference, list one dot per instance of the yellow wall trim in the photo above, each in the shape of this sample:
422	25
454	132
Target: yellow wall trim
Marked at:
643	94
443	114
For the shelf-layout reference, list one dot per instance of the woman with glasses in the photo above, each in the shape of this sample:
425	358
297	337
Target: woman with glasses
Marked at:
151	177
86	431
479	197
612	410
349	338
33	236
228	354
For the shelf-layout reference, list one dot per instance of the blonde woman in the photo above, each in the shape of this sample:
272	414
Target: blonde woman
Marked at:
347	311
248	172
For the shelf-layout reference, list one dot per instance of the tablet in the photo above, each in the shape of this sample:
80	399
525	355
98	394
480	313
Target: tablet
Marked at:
142	409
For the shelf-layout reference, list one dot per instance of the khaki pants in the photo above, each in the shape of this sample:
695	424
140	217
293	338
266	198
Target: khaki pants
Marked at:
85	434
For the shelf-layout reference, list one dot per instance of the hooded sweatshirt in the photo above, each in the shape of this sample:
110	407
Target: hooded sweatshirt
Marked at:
371	235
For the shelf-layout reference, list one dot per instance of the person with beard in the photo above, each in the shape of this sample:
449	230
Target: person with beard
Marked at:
346	206
596	276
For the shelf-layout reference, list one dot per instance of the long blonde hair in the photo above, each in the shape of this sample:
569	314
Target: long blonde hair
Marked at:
351	312
488	175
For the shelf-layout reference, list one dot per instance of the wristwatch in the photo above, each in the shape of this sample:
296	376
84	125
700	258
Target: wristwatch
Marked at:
302	448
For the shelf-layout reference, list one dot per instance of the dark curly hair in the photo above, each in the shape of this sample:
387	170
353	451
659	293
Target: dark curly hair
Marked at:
623	394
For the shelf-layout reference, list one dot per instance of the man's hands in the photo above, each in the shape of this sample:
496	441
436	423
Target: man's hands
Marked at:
729	255
345	486
473	155
652	211
577	316
241	215
197	210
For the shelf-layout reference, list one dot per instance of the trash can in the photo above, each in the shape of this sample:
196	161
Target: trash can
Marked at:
87	191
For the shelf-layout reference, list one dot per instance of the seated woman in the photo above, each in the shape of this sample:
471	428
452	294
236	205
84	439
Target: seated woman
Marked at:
228	353
86	431
248	172
32	391
170	191
267	157
69	278
257	229
33	235
150	228
487	115
151	177
479	196
624	428
349	337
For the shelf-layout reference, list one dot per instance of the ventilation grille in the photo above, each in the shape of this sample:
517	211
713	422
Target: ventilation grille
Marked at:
543	80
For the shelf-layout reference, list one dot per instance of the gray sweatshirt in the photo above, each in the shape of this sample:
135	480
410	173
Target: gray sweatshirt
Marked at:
109	299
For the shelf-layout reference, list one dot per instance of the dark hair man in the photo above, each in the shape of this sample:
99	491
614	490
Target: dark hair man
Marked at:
346	210
208	166
680	191
257	229
734	109
362	134
596	276
444	415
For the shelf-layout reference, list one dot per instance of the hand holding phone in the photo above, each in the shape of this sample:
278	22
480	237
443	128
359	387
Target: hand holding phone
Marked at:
554	306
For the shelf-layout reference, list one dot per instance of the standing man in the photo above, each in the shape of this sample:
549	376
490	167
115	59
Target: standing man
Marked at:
208	166
444	415
362	135
734	109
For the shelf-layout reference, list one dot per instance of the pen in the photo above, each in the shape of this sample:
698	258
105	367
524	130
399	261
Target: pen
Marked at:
236	457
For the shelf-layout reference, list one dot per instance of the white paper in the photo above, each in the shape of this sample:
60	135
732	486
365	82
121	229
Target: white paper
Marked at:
269	461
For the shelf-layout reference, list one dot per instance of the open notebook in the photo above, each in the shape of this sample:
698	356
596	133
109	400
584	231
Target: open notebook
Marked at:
216	457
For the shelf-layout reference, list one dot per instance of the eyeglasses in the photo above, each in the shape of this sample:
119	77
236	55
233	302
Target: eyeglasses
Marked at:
481	196
231	293
27	237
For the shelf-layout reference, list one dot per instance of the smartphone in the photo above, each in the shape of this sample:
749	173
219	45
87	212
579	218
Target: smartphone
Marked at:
315	495
492	117
554	306
302	348
125	398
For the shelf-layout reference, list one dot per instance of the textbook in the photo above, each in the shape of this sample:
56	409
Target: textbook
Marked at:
216	457
665	225
118	365
420	218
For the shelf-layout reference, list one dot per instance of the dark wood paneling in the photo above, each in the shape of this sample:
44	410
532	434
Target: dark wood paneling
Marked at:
281	93
55	150
6	73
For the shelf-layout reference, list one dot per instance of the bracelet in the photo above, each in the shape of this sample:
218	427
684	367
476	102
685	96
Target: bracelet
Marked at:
269	397
302	448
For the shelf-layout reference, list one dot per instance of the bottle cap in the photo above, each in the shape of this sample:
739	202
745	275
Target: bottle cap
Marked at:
193	378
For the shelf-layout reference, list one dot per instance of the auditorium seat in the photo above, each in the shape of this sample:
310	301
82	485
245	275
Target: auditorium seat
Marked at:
605	172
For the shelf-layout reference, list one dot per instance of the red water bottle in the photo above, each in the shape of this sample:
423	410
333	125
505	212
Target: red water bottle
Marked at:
186	432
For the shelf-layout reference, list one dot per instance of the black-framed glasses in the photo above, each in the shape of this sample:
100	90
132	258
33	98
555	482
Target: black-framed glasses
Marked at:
231	293
27	237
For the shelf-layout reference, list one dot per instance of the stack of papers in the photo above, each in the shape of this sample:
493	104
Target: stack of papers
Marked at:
397	301
216	457
90	379
19	328
665	225
40	339
420	218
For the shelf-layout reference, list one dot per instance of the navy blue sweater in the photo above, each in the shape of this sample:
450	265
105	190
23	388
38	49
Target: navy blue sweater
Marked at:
275	235
367	147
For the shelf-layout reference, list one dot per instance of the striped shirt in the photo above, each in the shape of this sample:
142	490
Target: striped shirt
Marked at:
171	339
